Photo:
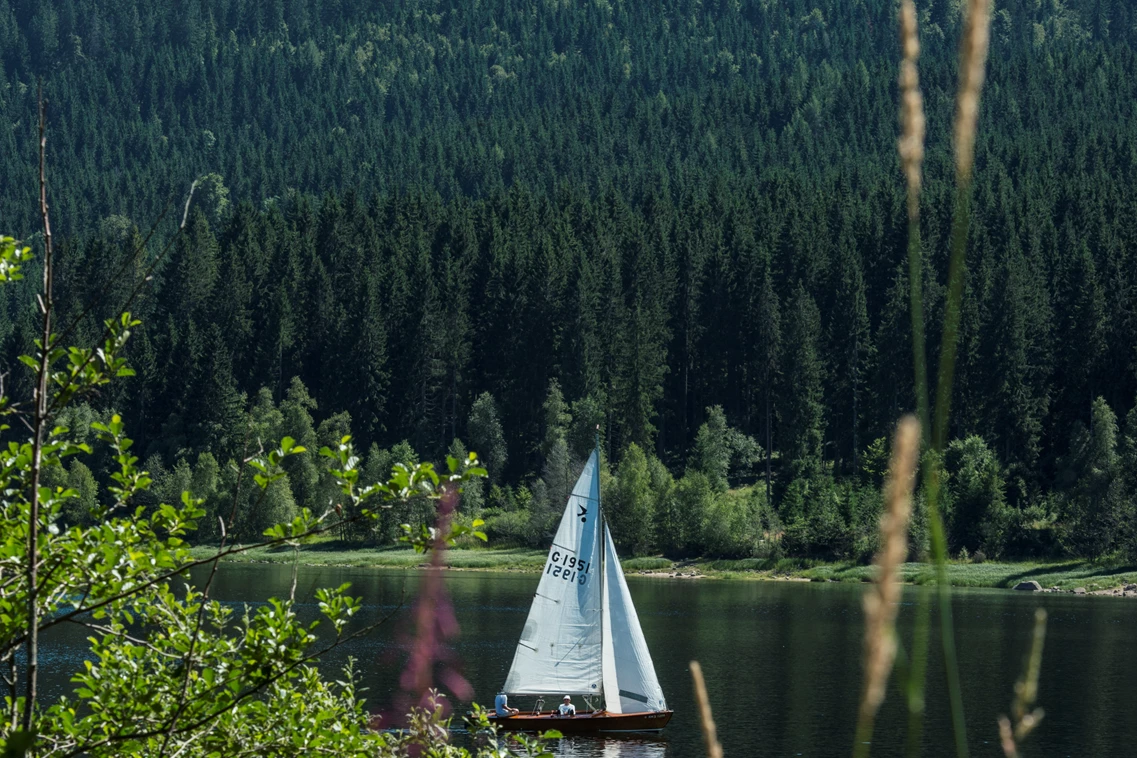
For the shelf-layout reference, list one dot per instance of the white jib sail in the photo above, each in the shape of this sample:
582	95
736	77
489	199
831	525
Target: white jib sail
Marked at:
560	652
630	684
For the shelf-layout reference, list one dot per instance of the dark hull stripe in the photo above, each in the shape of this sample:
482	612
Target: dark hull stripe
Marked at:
593	721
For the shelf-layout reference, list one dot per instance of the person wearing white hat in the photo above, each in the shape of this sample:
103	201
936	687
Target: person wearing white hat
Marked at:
567	708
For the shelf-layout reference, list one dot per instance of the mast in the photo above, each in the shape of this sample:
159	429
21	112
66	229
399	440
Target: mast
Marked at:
603	563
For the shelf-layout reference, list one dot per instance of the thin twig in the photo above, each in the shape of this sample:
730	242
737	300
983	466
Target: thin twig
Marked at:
121	634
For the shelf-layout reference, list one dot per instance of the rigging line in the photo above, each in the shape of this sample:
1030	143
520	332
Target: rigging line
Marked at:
575	645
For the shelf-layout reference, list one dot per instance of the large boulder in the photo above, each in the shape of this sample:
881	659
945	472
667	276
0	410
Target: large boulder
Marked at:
1031	586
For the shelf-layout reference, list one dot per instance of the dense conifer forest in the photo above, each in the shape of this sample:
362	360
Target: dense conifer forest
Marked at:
498	225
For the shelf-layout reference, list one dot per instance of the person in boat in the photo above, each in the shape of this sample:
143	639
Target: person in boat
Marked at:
567	708
501	706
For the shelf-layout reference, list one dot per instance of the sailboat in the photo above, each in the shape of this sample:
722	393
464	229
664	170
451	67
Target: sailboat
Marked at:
582	637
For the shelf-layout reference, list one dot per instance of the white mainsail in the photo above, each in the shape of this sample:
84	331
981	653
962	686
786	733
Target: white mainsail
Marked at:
560	650
630	683
583	636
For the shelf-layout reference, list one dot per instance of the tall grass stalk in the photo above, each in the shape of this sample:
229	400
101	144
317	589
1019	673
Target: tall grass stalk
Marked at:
882	600
913	126
917	671
972	64
972	61
706	719
1025	716
911	146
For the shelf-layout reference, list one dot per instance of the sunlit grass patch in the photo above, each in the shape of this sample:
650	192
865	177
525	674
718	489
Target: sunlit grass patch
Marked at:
647	564
1066	575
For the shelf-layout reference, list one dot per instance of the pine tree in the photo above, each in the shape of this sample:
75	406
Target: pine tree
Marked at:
851	348
217	417
557	417
642	364
1095	508
303	473
893	378
193	271
1018	366
1081	321
486	436
768	358
975	490
369	400
802	410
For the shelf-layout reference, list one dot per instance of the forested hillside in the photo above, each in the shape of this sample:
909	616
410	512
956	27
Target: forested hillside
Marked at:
507	223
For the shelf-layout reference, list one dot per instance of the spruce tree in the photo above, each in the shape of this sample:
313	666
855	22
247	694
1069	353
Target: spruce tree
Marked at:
217	418
1018	365
557	417
802	410
851	352
1094	506
768	358
487	437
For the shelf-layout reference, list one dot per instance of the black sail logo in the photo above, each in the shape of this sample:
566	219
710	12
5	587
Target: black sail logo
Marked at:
583	513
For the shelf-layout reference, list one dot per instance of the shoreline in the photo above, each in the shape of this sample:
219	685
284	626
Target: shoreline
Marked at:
1069	576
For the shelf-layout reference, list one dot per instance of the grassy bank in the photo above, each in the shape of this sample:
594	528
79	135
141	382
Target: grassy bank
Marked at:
333	553
1065	575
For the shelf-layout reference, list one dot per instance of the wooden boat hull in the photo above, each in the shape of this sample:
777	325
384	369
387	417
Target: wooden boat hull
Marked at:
587	722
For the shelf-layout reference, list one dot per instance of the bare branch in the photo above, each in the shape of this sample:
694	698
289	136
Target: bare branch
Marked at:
38	423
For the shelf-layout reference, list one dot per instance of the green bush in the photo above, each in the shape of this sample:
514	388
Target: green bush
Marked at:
737	523
630	507
510	528
815	525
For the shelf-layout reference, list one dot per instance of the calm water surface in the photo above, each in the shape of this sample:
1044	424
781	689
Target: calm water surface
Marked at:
782	659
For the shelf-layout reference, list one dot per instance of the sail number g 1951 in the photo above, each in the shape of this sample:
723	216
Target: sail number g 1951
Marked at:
568	567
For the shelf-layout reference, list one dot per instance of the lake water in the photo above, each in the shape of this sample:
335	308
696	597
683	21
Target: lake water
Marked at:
782	659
